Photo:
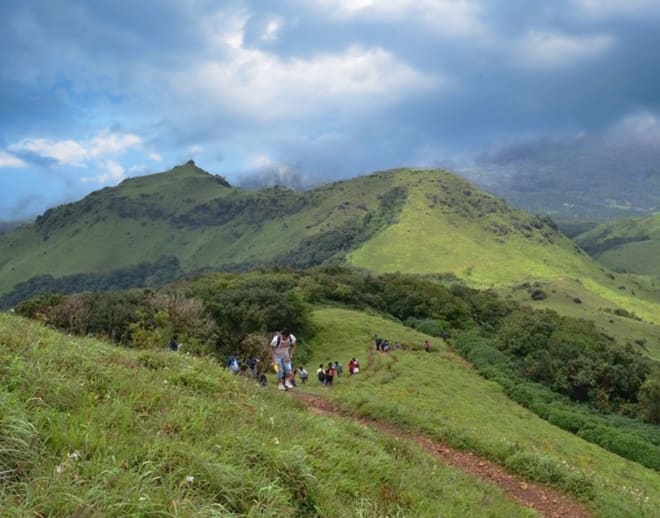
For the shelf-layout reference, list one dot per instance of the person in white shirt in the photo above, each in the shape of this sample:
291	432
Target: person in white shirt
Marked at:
283	345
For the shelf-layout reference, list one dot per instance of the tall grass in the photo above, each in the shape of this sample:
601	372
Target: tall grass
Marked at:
440	394
89	429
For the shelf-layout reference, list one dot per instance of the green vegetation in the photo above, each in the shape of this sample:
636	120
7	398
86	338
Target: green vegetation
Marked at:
90	429
229	314
440	395
156	274
408	220
627	245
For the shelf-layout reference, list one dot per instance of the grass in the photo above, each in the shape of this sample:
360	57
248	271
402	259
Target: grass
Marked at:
439	394
446	225
628	245
562	295
90	429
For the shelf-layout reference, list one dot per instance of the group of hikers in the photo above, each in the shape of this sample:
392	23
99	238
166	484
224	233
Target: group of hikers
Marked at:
385	345
326	375
283	348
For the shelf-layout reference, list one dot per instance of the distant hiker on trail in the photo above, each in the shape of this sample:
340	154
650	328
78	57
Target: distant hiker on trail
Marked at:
320	374
303	375
427	346
283	345
330	373
339	368
353	366
232	364
378	341
173	345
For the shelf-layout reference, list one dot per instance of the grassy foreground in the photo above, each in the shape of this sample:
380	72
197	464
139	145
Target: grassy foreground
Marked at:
89	429
440	395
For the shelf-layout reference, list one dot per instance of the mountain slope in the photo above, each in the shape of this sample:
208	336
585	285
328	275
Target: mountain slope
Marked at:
441	395
90	429
197	218
409	220
139	432
628	245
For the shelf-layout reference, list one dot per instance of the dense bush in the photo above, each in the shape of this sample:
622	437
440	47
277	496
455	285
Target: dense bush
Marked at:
626	437
151	274
561	368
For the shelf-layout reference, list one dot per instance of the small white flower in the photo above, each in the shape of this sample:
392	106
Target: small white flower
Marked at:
272	420
59	469
143	499
276	441
165	381
190	479
75	455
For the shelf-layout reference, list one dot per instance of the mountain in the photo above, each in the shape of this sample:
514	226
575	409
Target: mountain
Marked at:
589	178
628	245
8	226
408	220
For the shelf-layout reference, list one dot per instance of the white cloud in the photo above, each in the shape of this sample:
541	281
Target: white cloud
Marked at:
539	49
195	150
450	17
615	8
77	153
112	144
642	126
156	157
62	151
8	160
272	30
260	162
261	85
112	172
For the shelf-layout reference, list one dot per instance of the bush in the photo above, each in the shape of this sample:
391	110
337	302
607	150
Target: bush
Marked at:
625	444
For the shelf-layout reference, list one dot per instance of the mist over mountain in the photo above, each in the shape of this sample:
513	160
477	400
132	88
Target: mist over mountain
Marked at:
8	226
595	177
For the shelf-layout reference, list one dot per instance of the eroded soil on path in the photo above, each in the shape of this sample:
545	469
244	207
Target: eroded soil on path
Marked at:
544	500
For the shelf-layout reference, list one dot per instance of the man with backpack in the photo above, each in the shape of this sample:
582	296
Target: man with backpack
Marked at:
283	346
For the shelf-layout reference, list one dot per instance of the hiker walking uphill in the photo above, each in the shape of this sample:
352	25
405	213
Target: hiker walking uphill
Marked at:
283	345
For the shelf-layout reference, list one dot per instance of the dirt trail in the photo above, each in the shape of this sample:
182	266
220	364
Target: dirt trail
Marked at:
544	500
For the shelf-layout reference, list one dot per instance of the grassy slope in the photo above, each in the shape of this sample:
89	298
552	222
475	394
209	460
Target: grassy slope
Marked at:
447	225
487	243
561	297
98	239
88	429
631	245
442	396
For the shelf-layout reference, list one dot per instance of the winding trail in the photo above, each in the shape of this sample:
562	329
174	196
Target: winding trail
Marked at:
546	501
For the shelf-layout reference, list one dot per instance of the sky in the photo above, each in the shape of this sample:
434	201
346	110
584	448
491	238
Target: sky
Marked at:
301	92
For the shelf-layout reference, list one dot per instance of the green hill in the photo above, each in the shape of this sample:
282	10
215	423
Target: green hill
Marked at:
93	429
628	245
408	220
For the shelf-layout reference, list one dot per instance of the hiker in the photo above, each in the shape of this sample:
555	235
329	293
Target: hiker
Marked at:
330	374
378	341
283	345
339	368
353	366
232	364
303	375
173	345
427	346
320	374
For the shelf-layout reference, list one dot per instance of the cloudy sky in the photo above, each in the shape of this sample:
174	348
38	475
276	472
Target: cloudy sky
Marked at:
302	91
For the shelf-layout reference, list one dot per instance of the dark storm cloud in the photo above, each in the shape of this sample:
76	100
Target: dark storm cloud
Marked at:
326	86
